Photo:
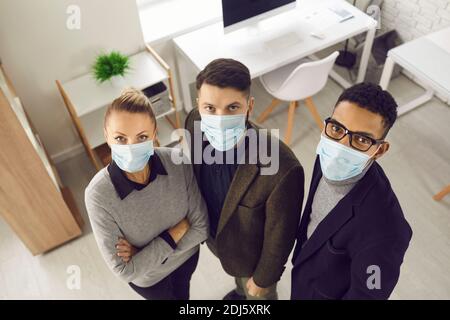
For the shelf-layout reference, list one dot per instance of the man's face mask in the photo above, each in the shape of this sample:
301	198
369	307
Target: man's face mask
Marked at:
340	162
223	131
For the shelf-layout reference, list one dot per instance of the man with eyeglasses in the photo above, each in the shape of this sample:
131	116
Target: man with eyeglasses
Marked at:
353	235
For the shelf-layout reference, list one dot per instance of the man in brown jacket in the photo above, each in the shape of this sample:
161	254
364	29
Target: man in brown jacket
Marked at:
254	200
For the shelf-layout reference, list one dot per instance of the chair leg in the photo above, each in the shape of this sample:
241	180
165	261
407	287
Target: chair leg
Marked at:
442	194
291	114
268	110
313	110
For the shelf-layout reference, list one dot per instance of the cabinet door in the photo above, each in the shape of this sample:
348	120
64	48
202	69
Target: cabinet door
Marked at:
29	200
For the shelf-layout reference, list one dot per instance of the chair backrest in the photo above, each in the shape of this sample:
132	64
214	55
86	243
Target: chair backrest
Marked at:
307	79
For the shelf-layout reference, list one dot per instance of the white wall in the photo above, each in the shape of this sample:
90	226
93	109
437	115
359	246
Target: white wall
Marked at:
37	48
415	18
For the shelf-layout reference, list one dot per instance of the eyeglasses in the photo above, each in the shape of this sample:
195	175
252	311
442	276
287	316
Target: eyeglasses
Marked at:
358	141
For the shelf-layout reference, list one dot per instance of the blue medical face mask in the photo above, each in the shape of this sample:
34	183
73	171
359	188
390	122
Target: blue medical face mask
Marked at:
223	131
132	157
340	162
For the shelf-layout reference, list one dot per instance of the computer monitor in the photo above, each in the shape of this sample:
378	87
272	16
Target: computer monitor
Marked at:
241	13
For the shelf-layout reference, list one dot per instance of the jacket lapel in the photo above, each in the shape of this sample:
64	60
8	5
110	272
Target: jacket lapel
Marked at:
193	121
317	175
243	178
337	217
329	226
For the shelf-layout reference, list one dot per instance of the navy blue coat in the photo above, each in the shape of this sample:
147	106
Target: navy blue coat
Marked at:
357	250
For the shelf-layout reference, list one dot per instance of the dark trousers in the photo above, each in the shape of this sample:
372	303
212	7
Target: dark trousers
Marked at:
241	282
173	287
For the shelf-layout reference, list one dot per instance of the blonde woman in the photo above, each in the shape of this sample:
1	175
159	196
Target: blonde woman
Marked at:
147	213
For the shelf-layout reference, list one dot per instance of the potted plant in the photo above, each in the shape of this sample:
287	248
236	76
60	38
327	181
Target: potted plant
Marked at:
111	67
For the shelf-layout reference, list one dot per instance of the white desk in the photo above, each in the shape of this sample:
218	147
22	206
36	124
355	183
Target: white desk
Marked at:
276	42
427	58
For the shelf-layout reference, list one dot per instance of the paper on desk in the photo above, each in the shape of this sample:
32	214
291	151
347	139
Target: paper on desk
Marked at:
322	19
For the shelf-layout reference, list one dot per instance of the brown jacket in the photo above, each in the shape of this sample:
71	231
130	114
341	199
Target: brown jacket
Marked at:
259	219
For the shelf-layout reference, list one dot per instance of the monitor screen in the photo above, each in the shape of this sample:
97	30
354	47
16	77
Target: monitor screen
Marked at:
235	11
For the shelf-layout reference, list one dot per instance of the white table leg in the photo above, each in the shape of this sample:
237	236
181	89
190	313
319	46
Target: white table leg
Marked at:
186	76
384	83
366	54
417	102
387	73
340	80
363	64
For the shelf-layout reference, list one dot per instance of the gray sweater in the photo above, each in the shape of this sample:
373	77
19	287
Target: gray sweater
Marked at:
142	216
327	196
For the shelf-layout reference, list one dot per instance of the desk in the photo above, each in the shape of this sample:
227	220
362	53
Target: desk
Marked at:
275	42
427	58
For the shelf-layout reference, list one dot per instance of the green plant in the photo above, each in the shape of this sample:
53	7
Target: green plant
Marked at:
109	65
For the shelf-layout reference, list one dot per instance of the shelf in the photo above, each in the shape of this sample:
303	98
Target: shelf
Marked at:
87	101
93	125
165	130
87	95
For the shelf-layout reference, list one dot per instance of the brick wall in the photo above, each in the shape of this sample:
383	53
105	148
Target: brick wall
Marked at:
415	18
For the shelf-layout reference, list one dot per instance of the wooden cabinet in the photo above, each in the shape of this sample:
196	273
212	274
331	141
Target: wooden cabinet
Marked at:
33	200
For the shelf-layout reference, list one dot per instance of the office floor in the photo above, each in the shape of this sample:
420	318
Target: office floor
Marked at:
417	164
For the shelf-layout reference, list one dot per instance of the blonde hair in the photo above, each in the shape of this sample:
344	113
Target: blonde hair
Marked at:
131	100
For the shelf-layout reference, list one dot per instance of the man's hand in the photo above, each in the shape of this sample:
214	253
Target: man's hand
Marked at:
178	231
254	290
125	250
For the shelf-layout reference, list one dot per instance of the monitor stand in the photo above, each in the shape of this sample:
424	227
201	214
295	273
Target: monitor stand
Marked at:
252	40
246	40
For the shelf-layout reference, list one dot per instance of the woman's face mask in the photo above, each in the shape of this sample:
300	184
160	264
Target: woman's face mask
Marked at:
132	157
340	162
130	137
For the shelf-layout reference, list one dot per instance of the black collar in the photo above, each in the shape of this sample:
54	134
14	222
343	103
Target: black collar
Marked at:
125	186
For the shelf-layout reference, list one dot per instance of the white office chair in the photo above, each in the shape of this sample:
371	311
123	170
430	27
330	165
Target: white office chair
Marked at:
294	82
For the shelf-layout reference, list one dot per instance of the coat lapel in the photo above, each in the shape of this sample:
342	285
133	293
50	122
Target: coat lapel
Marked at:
329	226
193	126
337	217
243	178
317	175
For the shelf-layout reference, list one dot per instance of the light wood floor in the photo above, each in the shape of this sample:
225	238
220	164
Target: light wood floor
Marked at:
418	165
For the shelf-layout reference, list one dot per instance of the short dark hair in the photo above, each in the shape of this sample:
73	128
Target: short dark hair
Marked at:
225	73
373	98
